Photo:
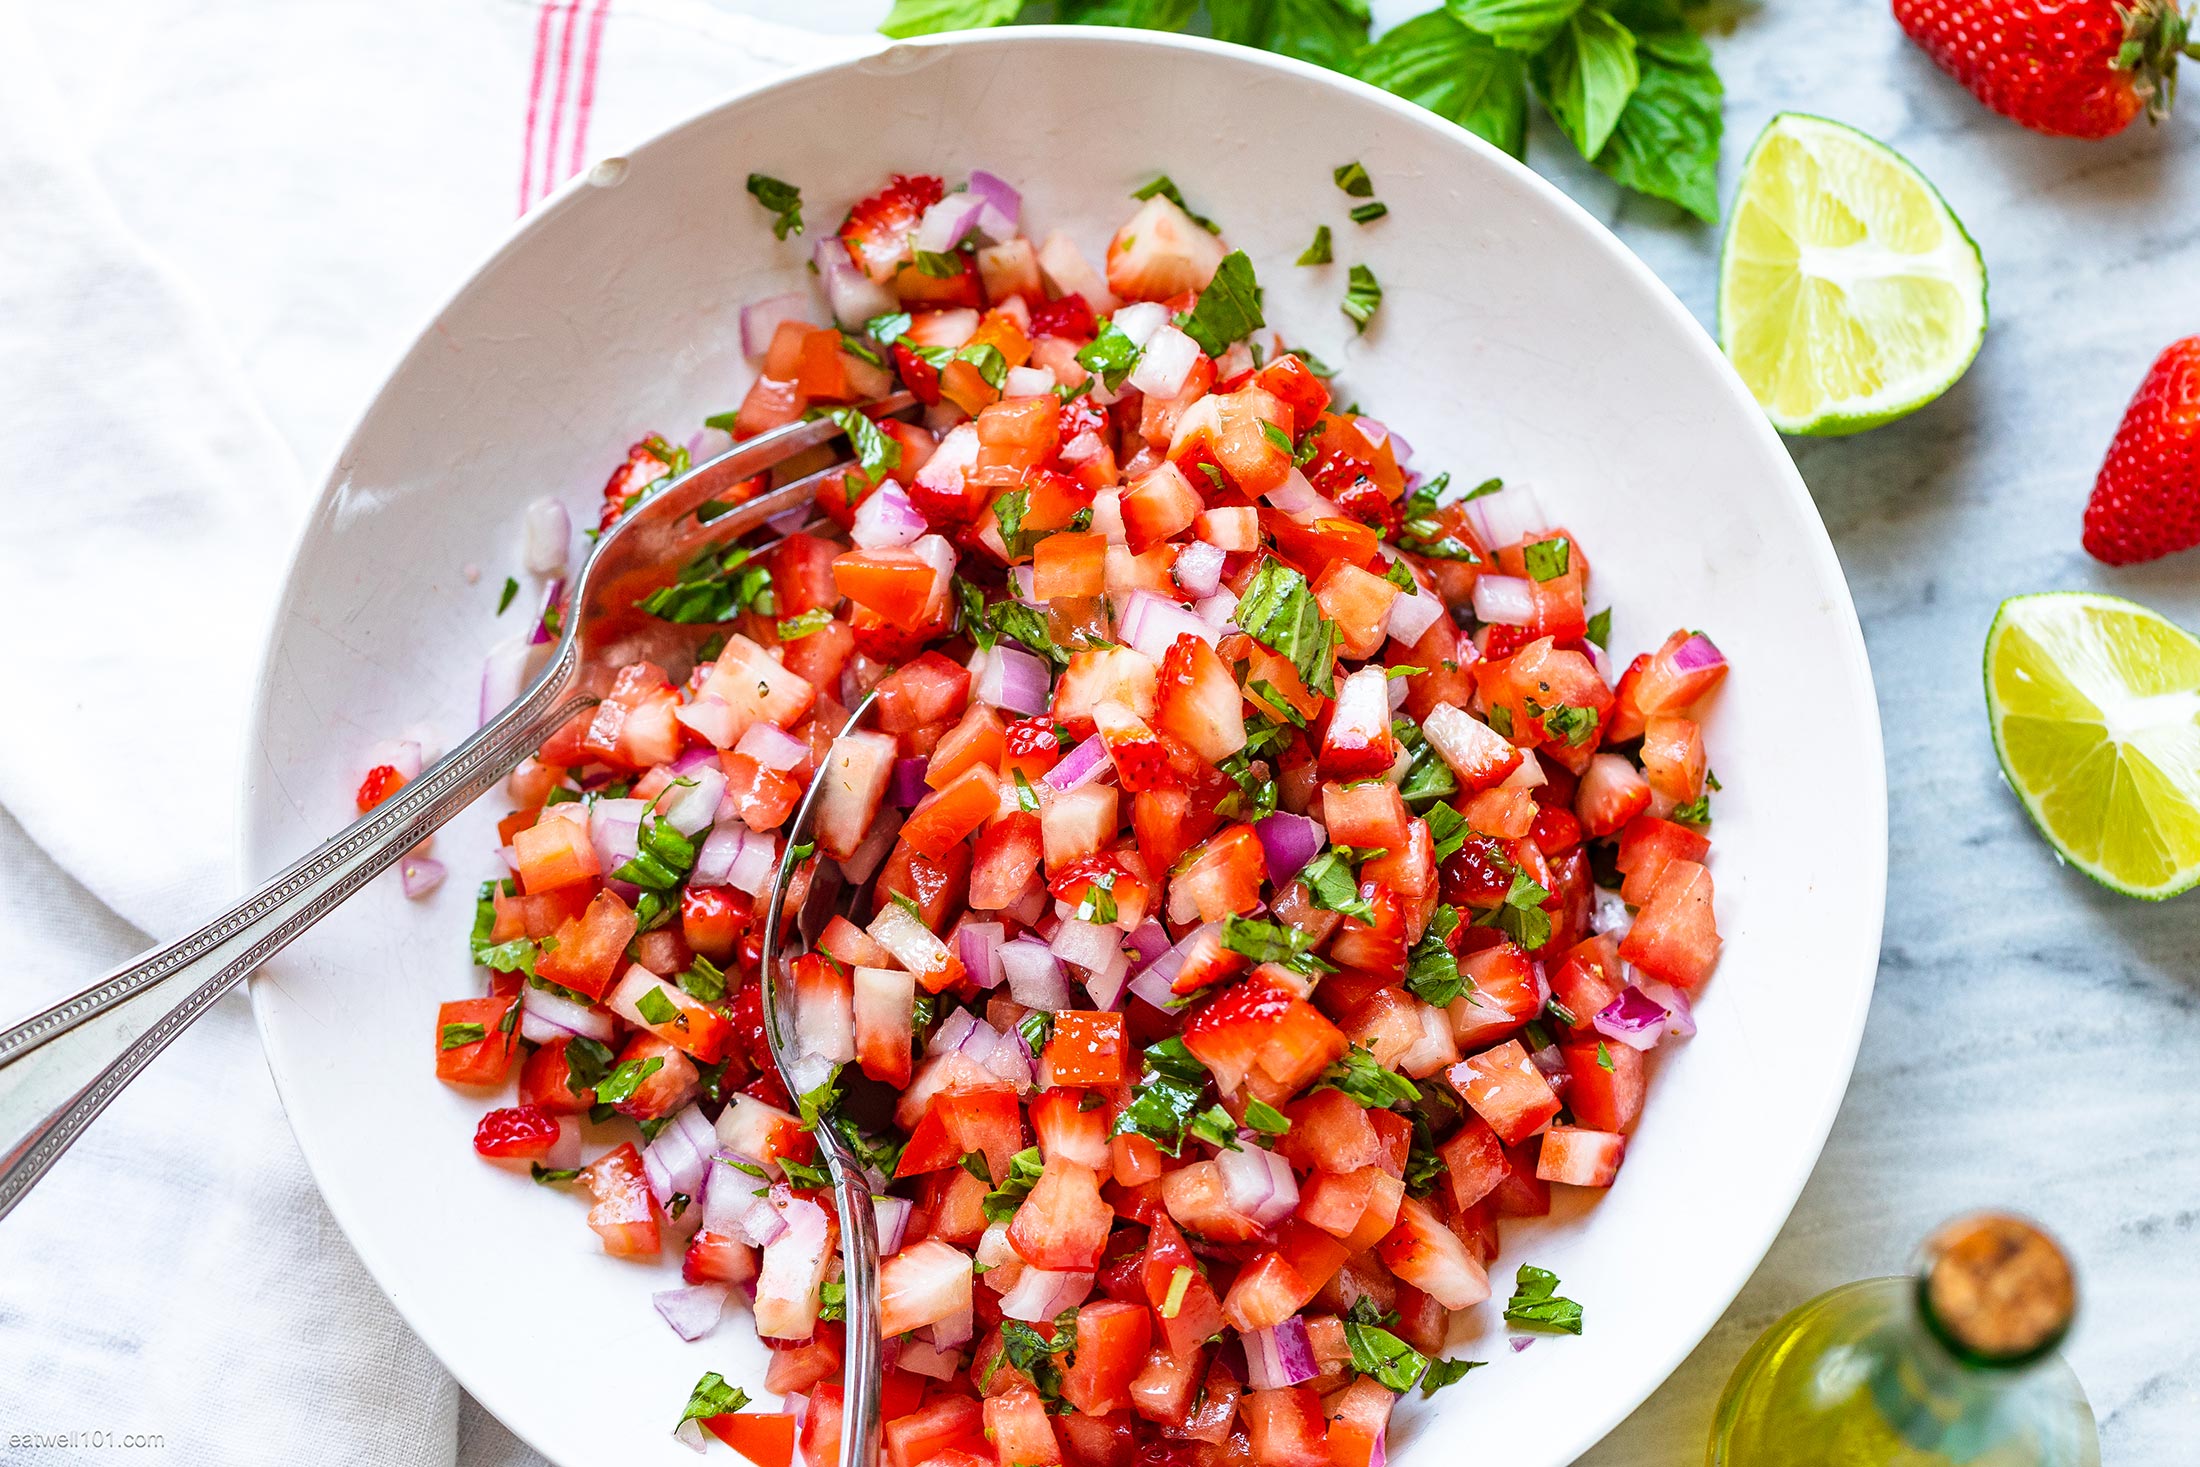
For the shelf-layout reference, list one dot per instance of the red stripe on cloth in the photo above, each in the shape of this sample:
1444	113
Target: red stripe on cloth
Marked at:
550	180
587	97
534	105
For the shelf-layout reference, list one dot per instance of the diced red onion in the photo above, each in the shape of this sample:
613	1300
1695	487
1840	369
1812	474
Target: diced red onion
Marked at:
694	1311
1396	693
1086	944
1280	1356
1217	611
1027	382
420	875
1139	320
1609	913
1504	600
772	746
1165	363
1552	1064
1042	1293
1153	980
563	1015
1153	623
760	319
1696	654
1412	616
553	595
1520	1342
1150	941
712	718
752	866
886	519
614	828
1035	976
946	222
978	946
545	534
506	670
893	1222
953	1332
920	1356
1011	1062
1000	196
672	1164
952	1032
1632	1019
690	759
1015	680
1079	767
1023	583
1298	498
855	296
875	847
763	1224
1507	517
908	786
1104	984
706	443
691	809
1198	569
689	1434
1376	1455
786	1282
1675	1002
1289	842
1258	1183
717	854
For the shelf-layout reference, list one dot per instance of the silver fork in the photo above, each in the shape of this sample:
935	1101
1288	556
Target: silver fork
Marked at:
61	1068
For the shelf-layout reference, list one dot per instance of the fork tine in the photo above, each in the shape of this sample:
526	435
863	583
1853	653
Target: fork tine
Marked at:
680	499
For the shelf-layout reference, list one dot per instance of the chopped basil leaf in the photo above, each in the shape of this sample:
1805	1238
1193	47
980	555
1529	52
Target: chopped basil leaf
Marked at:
661	858
1166	1096
1442	1373
651	1127
1362	1078
1332	883
1317	253
1362	295
1180	1282
974	1162
548	1176
1365	1310
936	265
1228	309
1036	1027
1522	916
511	589
1536	1303
1600	629
832	1300
889	328
655	1008
1564	721
1214	1126
458	1036
1110	356
1378	1352
1604	1057
1009	510
1369	213
795	628
860	349
875	452
1027	798
1168	190
782	198
1432	971
1352	178
987	358
1276	435
1270	942
1501	719
1447	830
1547	559
1279	611
716	586
723	422
1265	1118
1015	620
1098	903
807	1174
1023	1173
713	1397
587	1061
623	1081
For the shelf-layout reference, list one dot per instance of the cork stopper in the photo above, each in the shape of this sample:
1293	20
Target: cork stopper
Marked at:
1997	1287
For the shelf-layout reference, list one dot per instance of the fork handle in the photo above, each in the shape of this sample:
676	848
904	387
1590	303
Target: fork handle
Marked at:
61	1068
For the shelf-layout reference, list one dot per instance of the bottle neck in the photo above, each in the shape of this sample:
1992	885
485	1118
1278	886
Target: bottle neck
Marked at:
1936	1399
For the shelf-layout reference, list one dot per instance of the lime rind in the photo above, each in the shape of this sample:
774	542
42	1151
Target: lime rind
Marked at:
2094	706
1891	314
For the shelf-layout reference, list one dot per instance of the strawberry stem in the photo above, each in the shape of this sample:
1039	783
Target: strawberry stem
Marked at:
2156	33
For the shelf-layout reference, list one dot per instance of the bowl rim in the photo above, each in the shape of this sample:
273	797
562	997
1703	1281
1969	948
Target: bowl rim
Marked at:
1591	1426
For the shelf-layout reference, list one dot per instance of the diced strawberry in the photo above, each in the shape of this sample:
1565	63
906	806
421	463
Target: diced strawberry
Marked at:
1675	936
878	229
1580	1158
526	1131
1504	1088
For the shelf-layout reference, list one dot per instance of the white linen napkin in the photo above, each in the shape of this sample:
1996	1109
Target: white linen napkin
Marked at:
219	225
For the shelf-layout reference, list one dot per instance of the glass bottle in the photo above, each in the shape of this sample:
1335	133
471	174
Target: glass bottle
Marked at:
1952	1366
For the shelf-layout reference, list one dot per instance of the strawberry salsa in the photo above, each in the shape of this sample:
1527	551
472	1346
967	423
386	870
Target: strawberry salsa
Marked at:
1270	893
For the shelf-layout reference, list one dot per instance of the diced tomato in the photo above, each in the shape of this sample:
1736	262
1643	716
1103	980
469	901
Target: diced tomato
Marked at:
764	1437
1286	1427
1580	1158
1646	846
1017	1423
1587	980
554	853
1612	793
1063	1223
939	1425
545	1082
585	952
1426	1254
1222	880
1112	1339
1369	815
819	1436
938	885
1675	936
1605	1084
1503	1087
474	1038
1358	1417
1186	1308
944	817
1329	1132
1256	1023
763	798
1087	1048
626	1216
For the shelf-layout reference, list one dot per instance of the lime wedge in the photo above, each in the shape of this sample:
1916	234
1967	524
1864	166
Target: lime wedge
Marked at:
1849	295
2095	703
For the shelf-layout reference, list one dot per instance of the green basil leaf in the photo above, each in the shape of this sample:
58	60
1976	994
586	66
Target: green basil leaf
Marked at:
1517	25
1586	76
925	17
1326	32
1667	141
1438	63
1228	309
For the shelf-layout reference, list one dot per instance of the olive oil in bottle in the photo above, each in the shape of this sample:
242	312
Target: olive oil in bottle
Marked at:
1953	1366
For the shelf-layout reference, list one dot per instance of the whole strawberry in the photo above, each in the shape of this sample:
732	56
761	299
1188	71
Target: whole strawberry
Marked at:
2074	68
2146	503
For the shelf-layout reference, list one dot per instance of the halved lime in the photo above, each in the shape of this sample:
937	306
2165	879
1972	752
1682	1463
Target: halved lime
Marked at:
2095	704
1849	295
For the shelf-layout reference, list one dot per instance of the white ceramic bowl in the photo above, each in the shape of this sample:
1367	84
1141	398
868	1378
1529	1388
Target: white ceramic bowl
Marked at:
1516	337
